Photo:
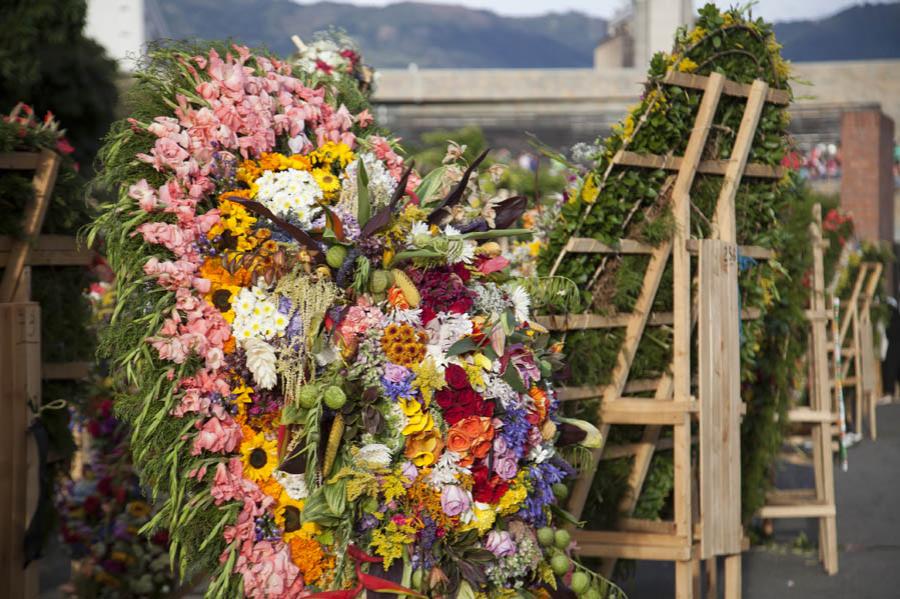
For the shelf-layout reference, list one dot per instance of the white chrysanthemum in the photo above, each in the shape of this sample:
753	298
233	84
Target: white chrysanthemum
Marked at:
260	357
446	470
290	193
294	484
521	302
256	316
374	456
410	316
419	231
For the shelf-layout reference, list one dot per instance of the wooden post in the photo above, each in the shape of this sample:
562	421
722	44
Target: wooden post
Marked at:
20	383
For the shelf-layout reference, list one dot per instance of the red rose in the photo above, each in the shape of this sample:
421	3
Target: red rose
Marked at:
462	404
486	488
456	377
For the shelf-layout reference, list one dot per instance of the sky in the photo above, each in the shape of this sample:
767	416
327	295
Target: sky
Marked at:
771	10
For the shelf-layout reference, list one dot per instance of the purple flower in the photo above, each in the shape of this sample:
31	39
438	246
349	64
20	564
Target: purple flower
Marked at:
500	543
454	500
410	472
506	467
395	373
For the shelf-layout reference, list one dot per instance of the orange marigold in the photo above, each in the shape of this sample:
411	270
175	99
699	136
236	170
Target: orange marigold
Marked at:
311	560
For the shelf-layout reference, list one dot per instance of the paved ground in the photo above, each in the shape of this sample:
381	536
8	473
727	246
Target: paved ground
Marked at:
868	508
868	505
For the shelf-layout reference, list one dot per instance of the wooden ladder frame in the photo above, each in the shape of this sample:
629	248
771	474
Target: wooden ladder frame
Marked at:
717	525
819	416
857	346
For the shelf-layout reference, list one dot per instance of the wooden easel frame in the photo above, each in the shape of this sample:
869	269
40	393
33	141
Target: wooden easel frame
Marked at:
20	378
857	346
819	415
717	525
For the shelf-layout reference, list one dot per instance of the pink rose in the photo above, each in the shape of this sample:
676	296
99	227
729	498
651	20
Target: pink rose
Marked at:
454	500
500	543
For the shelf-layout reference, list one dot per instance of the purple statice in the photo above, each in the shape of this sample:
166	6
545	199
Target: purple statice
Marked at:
541	477
349	223
367	522
515	430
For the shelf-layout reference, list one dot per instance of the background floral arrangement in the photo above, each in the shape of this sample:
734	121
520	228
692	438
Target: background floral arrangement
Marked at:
332	386
334	55
742	49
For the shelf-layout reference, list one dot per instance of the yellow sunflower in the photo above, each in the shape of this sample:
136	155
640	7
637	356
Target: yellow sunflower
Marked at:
328	182
259	456
287	517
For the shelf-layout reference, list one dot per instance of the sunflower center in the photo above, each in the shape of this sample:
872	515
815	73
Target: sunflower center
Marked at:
258	458
291	518
221	299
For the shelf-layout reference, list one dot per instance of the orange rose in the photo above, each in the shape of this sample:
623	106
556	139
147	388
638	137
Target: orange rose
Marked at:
474	427
481	448
458	441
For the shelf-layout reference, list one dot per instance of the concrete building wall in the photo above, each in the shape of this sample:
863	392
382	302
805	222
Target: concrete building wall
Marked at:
654	24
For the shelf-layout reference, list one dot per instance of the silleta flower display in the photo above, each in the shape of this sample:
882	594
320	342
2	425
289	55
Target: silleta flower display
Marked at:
330	377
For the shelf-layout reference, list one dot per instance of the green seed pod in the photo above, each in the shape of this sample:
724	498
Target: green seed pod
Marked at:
335	256
379	281
308	396
560	564
335	397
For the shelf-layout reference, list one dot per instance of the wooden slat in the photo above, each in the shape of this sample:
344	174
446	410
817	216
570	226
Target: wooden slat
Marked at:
790	496
719	385
63	371
724	226
32	221
806	414
811	510
579	322
20	354
19	161
632	545
49	250
661	527
750	251
730	88
586	245
707	167
645	411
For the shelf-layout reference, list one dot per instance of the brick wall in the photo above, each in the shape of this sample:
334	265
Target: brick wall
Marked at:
867	184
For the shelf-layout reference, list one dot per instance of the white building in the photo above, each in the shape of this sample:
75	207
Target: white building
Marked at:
641	30
118	26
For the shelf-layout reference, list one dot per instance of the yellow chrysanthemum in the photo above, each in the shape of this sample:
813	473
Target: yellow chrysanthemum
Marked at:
259	456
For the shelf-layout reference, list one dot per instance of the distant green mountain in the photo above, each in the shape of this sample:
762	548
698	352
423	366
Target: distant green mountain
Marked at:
436	35
431	35
861	32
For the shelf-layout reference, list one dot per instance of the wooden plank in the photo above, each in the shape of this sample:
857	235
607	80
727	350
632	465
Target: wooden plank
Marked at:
49	250
719	386
724	226
660	527
65	371
750	251
811	510
32	221
707	167
627	537
19	161
790	496
730	88
586	245
580	322
645	411
733	576
19	384
807	414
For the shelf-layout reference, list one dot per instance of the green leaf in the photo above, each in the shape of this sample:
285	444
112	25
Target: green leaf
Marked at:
363	205
430	184
462	346
336	497
512	378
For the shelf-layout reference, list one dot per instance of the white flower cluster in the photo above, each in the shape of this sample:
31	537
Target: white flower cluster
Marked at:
326	51
290	193
381	183
256	316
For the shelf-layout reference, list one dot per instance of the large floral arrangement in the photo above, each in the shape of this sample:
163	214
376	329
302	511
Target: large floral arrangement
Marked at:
338	388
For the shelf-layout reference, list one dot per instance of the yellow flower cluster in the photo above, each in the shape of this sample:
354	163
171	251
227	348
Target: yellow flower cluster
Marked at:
390	542
428	379
403	345
513	498
417	419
